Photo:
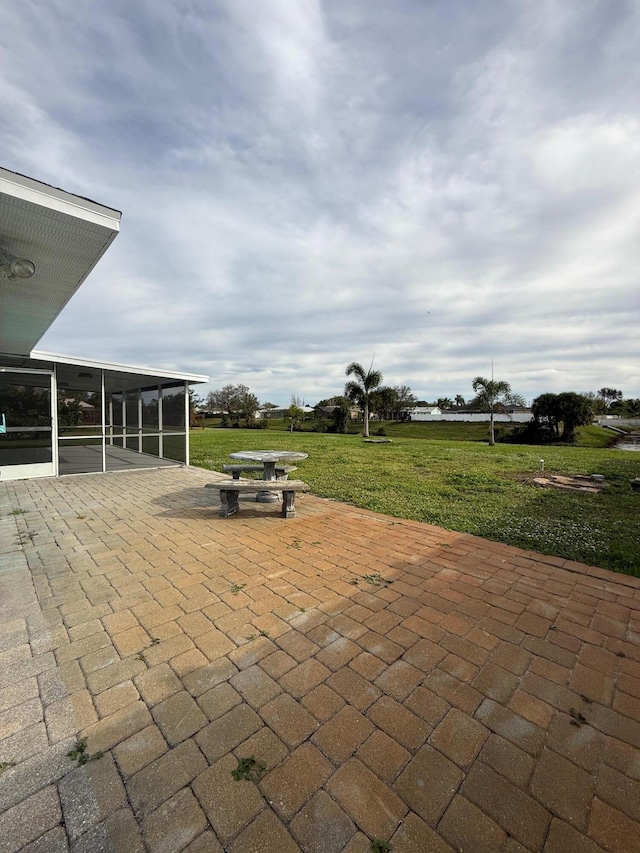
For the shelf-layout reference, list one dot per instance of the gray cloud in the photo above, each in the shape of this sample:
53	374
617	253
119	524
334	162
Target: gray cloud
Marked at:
303	185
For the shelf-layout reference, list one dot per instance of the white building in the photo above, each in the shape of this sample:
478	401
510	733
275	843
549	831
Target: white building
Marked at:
431	413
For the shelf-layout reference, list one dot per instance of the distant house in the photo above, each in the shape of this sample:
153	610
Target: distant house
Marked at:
423	413
327	412
281	412
512	414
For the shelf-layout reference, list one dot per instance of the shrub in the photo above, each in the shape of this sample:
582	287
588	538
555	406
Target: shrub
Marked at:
533	432
340	417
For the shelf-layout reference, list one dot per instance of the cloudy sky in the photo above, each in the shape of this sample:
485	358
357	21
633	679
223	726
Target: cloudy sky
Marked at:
304	183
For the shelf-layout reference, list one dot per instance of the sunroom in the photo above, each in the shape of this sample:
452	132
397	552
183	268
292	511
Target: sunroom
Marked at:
60	414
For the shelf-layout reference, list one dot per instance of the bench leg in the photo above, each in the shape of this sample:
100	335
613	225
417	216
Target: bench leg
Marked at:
228	503
236	475
288	504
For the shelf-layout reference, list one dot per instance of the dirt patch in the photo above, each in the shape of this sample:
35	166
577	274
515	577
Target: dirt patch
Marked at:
590	483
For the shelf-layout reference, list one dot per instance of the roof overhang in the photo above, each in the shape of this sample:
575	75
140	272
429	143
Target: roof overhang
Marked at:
64	236
81	373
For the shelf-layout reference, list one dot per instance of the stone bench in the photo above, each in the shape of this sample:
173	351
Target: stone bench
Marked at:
231	489
282	471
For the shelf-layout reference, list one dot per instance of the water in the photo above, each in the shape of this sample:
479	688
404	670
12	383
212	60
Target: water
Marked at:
629	442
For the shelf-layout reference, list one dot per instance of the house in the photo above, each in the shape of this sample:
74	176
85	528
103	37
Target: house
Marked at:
60	414
326	412
279	412
512	414
424	413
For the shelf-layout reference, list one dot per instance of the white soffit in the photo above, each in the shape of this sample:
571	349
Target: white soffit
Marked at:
64	235
136	372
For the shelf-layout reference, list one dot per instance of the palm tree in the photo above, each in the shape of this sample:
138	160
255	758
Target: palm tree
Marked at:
459	401
360	389
493	395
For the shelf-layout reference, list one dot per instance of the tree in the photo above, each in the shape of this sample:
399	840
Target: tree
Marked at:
459	401
569	409
598	404
444	403
340	415
221	400
618	407
69	413
609	395
247	402
383	400
236	400
546	413
195	405
575	410
406	397
296	415
494	395
633	407
359	390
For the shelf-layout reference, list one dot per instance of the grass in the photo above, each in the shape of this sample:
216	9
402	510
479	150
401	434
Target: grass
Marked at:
466	486
80	755
249	768
441	430
435	430
595	436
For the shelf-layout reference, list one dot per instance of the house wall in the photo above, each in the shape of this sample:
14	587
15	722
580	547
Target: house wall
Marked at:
614	421
471	417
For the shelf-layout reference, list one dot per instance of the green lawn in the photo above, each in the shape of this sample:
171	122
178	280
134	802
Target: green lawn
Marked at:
441	430
466	486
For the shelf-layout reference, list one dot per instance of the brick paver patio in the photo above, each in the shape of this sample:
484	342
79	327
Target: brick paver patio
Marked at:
400	681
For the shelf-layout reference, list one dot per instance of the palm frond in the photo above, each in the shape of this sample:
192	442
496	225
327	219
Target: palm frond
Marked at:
515	399
355	392
372	380
355	369
479	382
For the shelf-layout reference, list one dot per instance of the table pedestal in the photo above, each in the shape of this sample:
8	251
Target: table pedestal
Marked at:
269	474
267	497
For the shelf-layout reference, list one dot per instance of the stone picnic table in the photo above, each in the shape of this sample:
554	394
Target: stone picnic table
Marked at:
269	459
